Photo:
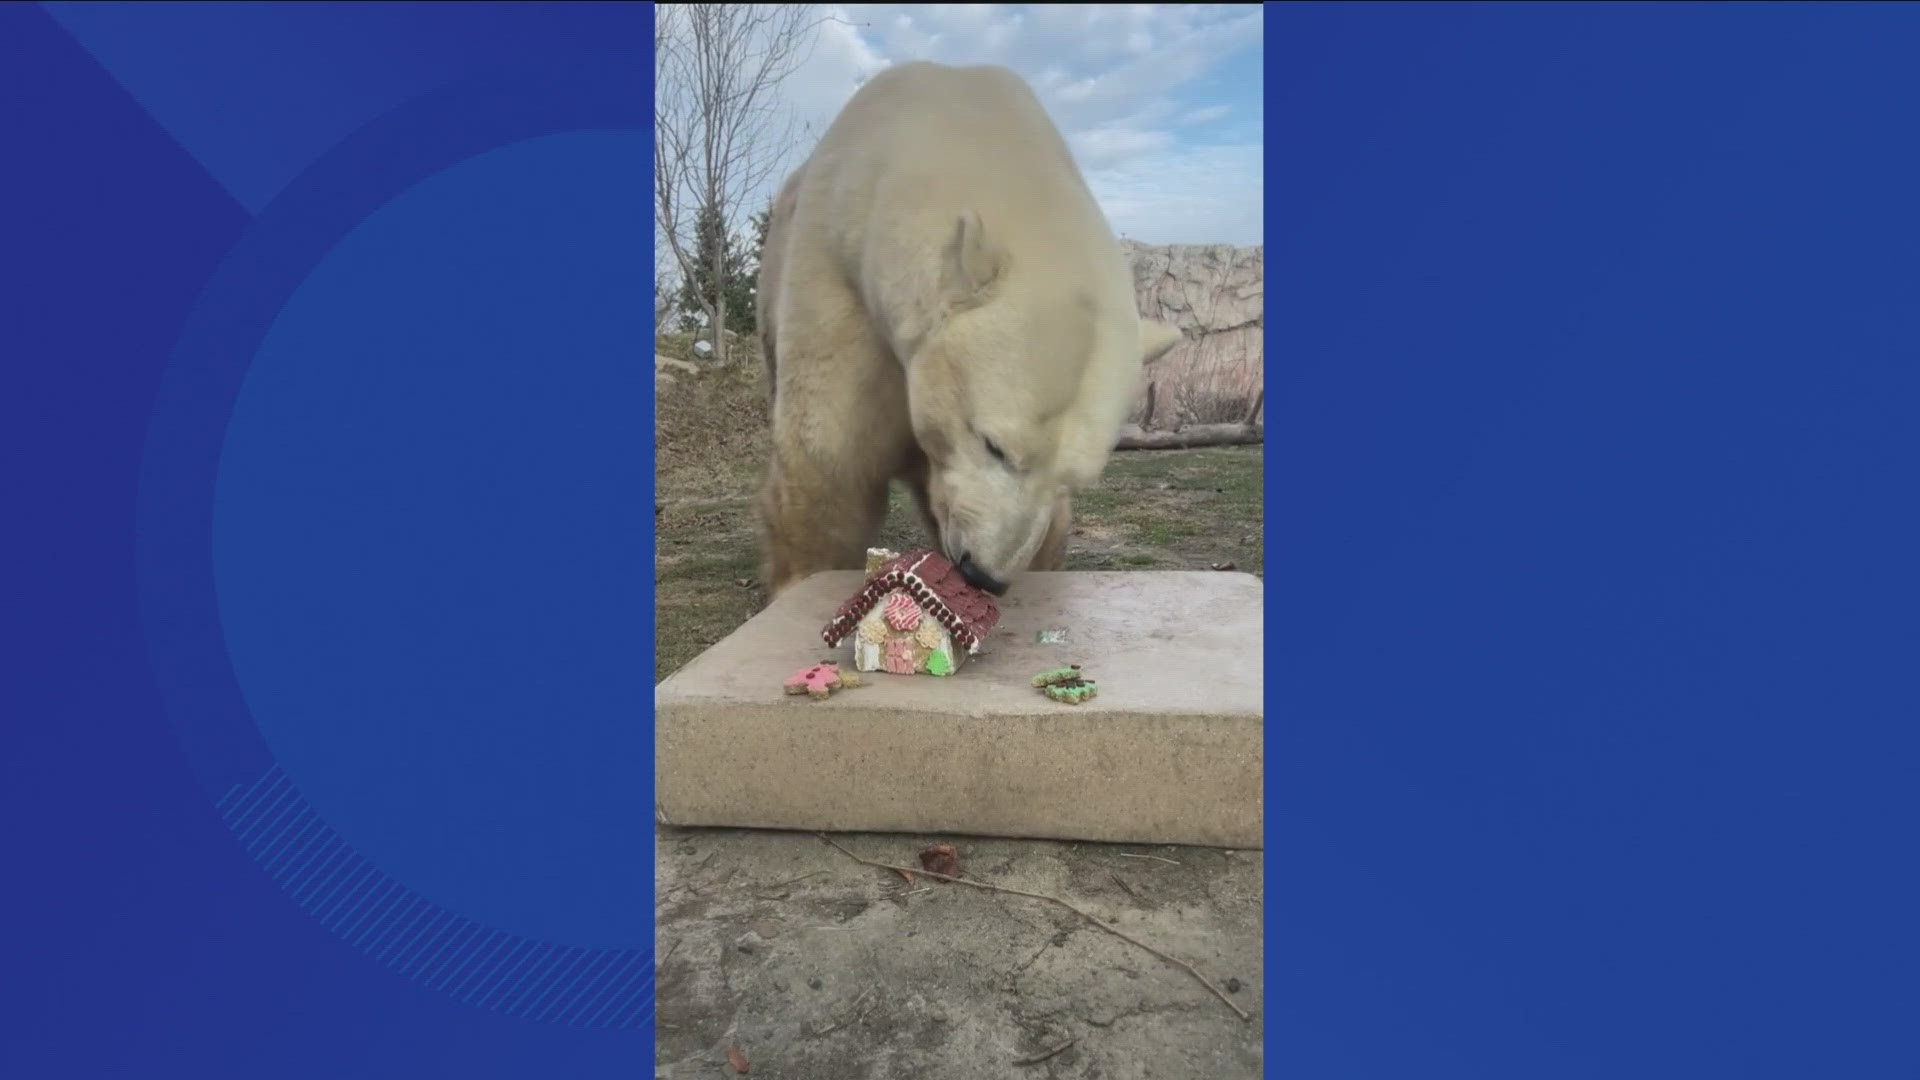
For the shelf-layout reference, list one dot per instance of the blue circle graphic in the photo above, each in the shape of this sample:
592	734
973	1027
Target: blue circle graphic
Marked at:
424	532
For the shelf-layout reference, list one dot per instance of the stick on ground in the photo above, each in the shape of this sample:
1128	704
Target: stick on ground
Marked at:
1109	928
1038	1058
851	1016
802	877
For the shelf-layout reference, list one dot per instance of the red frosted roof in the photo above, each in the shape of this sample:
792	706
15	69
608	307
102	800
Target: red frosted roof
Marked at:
936	585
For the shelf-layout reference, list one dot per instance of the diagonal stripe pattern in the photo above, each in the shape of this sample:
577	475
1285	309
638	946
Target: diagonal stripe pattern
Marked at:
577	986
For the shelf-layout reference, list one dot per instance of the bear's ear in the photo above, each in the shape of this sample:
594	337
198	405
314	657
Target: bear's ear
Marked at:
973	260
1156	340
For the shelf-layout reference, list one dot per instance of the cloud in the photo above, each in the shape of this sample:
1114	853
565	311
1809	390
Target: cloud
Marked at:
1160	103
1117	144
1186	195
840	60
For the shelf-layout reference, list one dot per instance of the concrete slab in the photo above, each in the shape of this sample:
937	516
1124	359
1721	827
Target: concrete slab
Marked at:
1170	751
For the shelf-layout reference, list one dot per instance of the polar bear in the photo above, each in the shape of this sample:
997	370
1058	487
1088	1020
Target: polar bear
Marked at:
942	302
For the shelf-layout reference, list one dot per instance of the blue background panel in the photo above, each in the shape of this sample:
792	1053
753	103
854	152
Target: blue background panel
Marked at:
423	555
321	385
257	91
1593	349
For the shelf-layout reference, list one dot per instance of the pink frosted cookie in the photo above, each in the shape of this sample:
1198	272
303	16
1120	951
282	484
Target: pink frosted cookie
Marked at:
817	681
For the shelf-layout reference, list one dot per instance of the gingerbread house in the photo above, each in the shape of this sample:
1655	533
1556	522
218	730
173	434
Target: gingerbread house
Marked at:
915	613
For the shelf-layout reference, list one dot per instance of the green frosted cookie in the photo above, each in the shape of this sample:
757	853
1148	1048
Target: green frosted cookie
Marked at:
1067	684
1069	673
1072	693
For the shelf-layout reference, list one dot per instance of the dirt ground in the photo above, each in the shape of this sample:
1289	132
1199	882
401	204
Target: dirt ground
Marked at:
816	967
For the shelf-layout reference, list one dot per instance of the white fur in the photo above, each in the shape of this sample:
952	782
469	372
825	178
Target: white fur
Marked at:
943	276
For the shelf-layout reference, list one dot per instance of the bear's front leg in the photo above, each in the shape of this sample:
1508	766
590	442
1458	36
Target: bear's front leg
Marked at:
812	521
1053	550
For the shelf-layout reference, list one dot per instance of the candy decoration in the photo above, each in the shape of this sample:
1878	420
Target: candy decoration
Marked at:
902	613
879	557
899	657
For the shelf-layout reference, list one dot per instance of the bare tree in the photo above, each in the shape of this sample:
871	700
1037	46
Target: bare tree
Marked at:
666	278
666	290
720	131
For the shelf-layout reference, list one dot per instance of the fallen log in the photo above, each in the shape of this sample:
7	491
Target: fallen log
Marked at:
1132	438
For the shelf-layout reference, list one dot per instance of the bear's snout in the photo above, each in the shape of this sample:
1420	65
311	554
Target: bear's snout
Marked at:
979	578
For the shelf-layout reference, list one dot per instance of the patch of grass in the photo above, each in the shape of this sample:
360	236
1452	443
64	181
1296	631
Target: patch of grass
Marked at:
710	429
730	565
1187	509
1098	501
1154	533
1159	509
677	345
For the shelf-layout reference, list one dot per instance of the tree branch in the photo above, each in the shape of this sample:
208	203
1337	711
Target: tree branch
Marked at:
1108	927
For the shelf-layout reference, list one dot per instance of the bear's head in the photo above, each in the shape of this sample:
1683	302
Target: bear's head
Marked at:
1018	395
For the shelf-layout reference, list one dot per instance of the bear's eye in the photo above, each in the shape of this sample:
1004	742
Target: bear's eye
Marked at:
994	449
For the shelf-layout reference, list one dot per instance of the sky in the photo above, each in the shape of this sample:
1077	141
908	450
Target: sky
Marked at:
1160	102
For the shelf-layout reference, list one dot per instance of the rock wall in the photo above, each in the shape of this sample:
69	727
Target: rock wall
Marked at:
1216	295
